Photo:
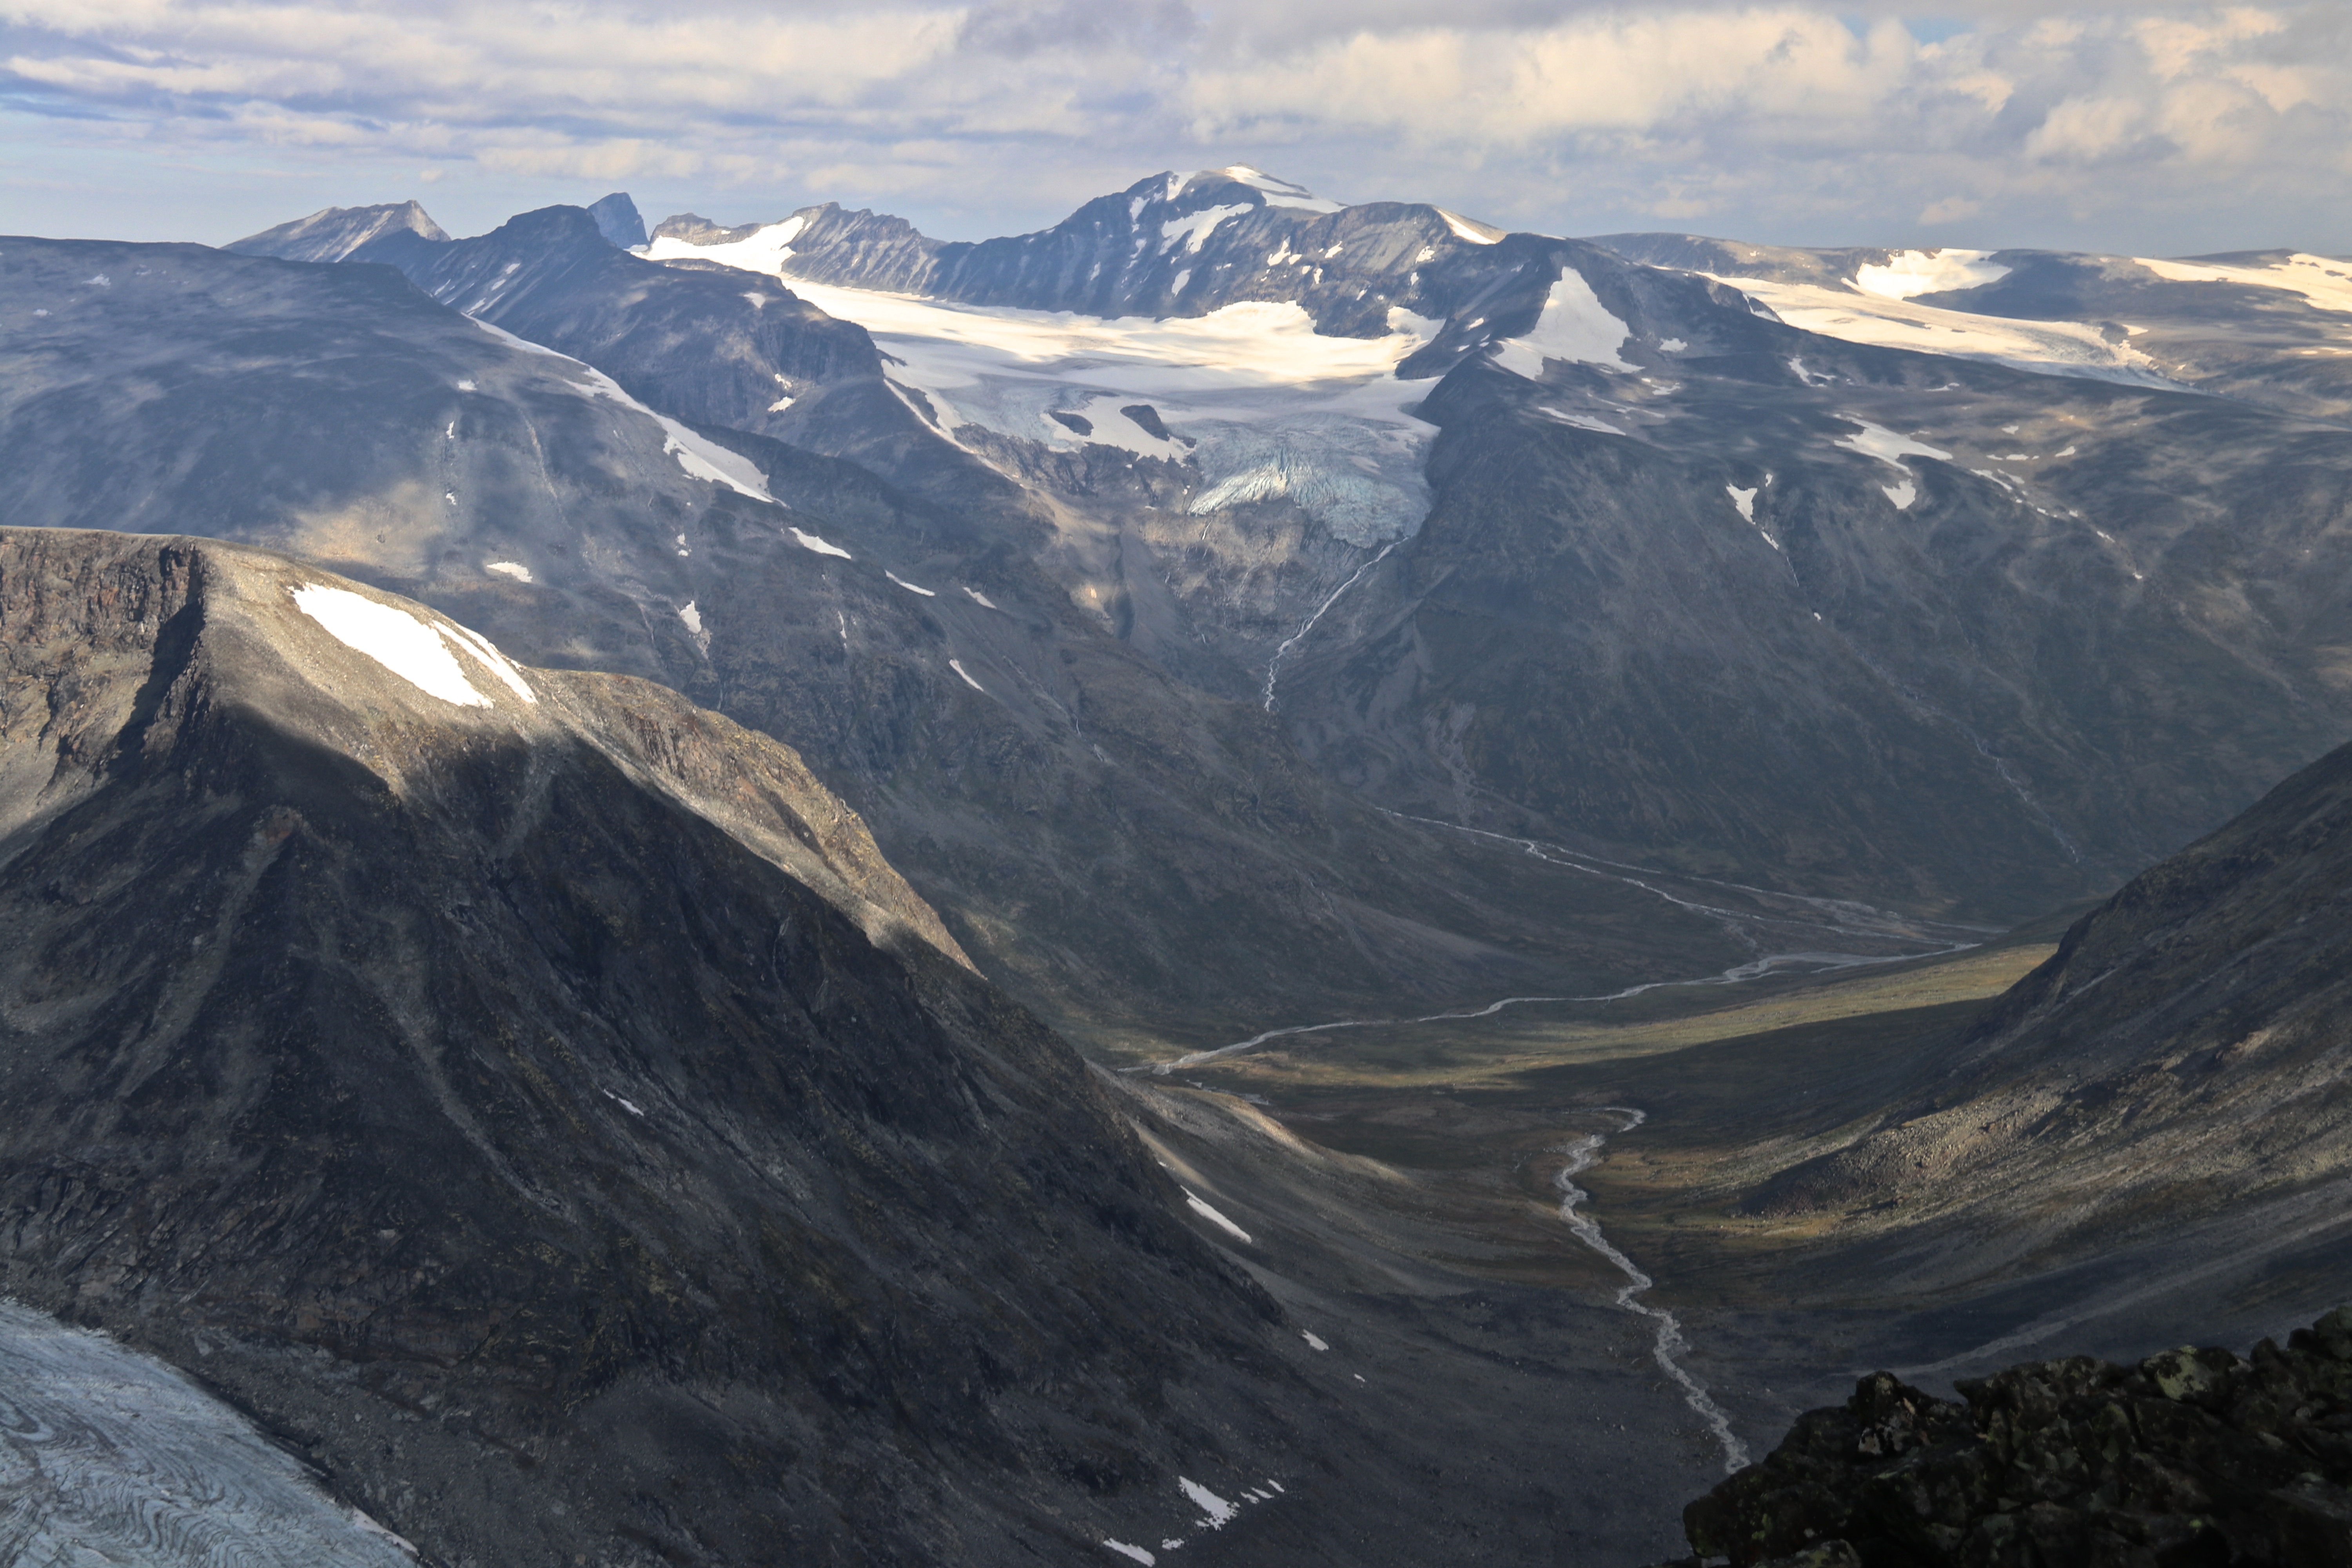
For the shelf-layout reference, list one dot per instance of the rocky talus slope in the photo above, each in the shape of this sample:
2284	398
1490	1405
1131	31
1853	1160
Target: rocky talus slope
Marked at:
534	1101
2192	1456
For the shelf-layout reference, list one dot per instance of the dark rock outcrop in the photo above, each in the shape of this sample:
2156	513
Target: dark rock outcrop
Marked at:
617	220
2193	1456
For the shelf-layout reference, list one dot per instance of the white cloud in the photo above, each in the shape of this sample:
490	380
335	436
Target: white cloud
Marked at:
2145	127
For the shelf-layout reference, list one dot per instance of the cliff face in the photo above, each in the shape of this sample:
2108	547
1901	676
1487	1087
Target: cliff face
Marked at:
536	1101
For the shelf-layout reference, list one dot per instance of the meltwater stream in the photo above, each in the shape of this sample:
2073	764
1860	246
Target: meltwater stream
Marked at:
1668	1341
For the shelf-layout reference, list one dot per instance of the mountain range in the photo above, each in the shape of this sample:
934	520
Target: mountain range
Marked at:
571	790
1965	588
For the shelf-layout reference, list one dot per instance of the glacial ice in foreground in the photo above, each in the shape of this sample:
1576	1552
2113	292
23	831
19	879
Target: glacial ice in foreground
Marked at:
110	1456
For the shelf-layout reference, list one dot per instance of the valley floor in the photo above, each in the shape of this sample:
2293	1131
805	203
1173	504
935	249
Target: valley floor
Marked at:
1401	1186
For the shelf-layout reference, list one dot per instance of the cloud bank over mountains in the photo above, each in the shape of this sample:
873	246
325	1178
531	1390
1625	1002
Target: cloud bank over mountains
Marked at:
2159	129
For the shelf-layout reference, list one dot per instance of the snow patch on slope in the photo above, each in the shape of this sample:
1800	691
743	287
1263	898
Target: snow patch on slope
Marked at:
1278	192
1574	326
1909	272
702	458
1212	1216
491	659
2322	281
766	250
1877	441
818	545
408	647
1218	1511
1194	228
2059	348
1463	228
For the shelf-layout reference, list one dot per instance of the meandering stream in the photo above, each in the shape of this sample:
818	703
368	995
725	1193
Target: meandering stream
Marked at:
1667	1340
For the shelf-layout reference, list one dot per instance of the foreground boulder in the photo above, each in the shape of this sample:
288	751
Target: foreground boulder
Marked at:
2193	1456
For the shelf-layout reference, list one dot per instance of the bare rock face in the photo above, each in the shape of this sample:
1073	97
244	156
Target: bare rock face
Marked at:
2192	1456
330	233
617	220
537	1103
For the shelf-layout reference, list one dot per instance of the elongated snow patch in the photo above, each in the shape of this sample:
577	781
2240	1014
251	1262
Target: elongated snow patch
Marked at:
410	649
910	587
497	663
1212	1216
1124	1549
1464	229
1219	1512
812	541
957	664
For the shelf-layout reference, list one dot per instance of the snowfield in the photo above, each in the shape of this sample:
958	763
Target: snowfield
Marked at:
1888	321
1909	272
1264	404
2323	282
1574	326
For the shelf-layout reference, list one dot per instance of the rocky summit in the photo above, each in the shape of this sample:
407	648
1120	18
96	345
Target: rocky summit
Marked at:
2195	1456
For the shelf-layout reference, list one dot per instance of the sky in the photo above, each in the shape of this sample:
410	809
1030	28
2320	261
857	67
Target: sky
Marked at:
2161	129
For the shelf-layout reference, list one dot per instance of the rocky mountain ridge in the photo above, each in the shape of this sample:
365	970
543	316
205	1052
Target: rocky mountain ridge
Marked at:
536	1098
1623	561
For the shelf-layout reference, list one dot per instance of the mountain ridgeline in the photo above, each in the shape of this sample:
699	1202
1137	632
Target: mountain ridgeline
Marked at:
1899	610
534	1097
600	1104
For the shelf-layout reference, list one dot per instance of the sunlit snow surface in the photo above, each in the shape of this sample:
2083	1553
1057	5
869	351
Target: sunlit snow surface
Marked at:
1574	326
1278	193
410	649
2323	282
1275	408
1909	272
2063	348
1202	1208
1463	228
107	1457
1877	441
761	252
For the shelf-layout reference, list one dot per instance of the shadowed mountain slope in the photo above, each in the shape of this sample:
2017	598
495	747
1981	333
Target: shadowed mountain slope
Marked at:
535	1099
2178	1069
1099	830
1682	560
